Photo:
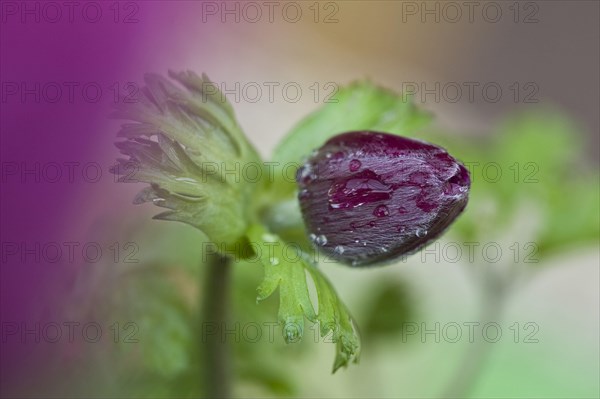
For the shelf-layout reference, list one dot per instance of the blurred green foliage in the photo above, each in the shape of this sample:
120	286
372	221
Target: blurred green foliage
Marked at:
533	159
391	307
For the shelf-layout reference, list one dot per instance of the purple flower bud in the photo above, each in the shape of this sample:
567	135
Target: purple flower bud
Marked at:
369	197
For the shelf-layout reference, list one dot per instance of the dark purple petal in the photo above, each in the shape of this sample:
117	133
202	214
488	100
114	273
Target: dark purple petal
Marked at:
370	197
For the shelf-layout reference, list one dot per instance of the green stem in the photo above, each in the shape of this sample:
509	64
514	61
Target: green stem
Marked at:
216	374
467	373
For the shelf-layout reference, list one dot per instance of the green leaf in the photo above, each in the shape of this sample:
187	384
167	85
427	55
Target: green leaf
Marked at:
289	273
360	106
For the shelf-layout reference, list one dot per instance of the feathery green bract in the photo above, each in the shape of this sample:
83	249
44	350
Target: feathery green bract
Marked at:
187	144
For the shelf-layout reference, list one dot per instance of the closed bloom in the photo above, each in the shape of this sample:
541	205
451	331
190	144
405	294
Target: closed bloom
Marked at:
369	197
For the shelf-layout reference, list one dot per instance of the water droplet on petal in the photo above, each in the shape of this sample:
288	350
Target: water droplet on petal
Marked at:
339	249
354	165
304	194
321	240
421	232
358	189
306	173
381	211
338	156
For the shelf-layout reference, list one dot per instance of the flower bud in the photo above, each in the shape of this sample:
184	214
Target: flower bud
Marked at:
369	197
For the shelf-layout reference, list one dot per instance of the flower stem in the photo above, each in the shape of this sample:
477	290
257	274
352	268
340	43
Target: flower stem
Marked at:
216	374
494	290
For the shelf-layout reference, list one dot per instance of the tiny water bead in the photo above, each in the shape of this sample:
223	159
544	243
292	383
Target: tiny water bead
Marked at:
354	165
321	240
306	173
304	193
381	211
358	189
421	233
393	197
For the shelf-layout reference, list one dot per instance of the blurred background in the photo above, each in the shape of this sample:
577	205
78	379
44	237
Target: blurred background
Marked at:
98	300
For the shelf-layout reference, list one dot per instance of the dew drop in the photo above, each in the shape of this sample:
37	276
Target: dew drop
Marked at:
381	211
339	249
354	165
321	240
312	237
304	194
306	173
421	233
454	189
358	189
338	156
291	332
